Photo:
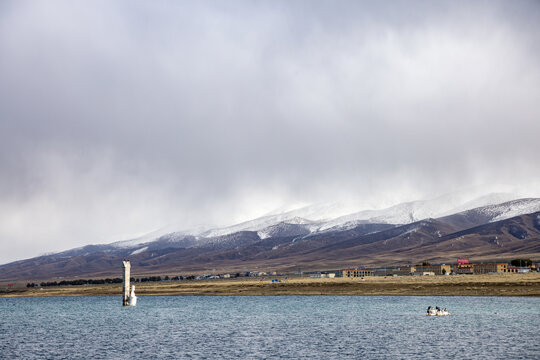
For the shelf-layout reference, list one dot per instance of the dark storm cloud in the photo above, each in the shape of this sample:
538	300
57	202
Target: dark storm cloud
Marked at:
119	117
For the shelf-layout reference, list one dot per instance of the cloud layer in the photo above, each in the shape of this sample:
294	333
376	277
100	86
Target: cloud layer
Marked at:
118	118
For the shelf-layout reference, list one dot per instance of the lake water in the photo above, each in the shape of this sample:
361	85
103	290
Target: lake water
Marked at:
269	327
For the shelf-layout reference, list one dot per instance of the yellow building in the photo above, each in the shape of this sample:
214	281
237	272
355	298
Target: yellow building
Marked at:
357	273
482	268
490	268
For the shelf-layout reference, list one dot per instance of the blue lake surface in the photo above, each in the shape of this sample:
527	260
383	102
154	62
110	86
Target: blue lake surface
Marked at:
269	327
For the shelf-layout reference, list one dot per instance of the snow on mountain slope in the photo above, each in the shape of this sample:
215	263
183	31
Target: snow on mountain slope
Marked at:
512	208
492	213
319	211
486	200
306	214
409	212
289	229
138	251
154	235
252	225
329	217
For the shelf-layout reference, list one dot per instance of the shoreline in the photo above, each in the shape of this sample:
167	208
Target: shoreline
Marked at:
459	285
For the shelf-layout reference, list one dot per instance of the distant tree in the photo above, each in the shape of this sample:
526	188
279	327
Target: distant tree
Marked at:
521	262
426	263
444	271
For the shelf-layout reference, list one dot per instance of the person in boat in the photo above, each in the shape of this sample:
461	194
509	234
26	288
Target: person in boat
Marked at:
428	310
431	311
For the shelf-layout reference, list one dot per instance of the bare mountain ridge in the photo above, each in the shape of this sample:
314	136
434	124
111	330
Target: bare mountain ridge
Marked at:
287	246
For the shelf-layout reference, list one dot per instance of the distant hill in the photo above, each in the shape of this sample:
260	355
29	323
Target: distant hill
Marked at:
496	231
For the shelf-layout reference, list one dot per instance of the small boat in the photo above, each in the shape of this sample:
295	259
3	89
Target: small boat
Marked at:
437	312
132	297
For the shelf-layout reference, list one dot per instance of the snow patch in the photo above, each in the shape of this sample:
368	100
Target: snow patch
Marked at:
410	231
514	208
138	251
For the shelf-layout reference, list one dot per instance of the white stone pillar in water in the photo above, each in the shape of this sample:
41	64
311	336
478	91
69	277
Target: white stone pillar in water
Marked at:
127	266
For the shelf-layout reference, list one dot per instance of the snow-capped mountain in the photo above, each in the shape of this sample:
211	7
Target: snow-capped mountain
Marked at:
322	218
405	232
512	208
317	213
289	225
293	227
492	213
409	212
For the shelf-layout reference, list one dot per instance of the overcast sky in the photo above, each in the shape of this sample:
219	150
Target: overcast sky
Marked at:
117	118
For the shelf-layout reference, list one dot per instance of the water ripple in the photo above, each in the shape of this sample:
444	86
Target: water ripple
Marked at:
268	327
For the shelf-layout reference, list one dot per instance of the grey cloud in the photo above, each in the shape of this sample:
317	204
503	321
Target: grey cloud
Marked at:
116	118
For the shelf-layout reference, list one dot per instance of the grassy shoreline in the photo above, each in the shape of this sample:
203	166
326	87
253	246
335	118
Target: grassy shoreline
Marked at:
463	285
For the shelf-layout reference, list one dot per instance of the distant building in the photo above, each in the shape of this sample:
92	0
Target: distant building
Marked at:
404	270
356	273
512	269
437	269
484	268
490	268
322	275
464	269
420	270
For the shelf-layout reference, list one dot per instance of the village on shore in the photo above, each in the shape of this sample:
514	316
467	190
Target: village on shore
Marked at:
463	266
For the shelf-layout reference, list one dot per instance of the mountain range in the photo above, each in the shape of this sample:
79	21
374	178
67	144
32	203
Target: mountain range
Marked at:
495	226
